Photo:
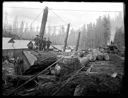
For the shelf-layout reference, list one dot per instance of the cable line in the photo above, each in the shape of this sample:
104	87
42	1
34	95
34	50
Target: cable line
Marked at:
83	10
58	16
36	17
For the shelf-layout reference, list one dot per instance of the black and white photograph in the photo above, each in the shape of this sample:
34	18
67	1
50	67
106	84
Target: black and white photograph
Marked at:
62	48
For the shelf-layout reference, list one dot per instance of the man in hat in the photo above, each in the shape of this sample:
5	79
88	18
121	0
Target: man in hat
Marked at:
37	40
48	43
30	45
19	68
44	44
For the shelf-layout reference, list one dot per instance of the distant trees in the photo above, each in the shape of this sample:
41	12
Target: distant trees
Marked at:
8	28
92	35
119	38
83	38
17	29
5	21
107	28
21	29
56	38
72	37
118	26
96	34
15	25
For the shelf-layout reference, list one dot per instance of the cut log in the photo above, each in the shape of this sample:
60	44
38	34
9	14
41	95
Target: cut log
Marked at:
43	60
91	57
69	65
106	57
100	57
84	61
30	57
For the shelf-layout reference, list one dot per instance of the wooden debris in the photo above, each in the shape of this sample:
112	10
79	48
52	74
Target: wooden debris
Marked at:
78	90
30	57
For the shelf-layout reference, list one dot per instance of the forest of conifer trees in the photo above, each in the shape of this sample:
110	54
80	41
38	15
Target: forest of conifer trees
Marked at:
93	35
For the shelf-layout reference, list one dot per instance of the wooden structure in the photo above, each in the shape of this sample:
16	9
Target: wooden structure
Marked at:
65	42
43	23
77	43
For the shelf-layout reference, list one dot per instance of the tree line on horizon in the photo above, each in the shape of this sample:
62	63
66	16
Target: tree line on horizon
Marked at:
92	36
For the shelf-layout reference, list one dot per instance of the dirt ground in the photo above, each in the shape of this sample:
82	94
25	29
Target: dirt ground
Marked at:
99	81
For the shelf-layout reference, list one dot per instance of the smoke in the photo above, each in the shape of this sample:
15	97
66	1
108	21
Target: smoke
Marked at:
113	32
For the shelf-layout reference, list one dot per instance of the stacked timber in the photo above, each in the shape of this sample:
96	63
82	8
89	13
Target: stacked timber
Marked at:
98	55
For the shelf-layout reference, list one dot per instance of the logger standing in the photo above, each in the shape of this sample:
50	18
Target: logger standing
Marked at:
30	45
48	43
37	39
44	44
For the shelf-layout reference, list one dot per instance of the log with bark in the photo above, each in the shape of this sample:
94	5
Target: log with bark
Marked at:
69	65
43	61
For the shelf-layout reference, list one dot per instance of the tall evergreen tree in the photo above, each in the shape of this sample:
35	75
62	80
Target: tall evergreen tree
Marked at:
119	38
21	29
15	25
107	29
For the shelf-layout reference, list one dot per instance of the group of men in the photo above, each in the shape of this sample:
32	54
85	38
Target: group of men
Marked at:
42	44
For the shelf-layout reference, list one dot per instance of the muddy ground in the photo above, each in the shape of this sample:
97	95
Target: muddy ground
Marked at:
98	81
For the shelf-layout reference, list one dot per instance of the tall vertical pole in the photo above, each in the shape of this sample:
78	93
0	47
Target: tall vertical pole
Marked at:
43	23
65	41
77	43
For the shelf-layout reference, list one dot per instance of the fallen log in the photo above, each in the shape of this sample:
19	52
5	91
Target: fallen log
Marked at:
68	65
84	61
43	61
24	77
106	57
49	78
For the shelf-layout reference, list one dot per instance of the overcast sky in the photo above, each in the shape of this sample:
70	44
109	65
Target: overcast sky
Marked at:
61	13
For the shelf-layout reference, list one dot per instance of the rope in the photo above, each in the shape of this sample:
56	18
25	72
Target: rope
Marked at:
36	17
58	16
35	76
83	10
